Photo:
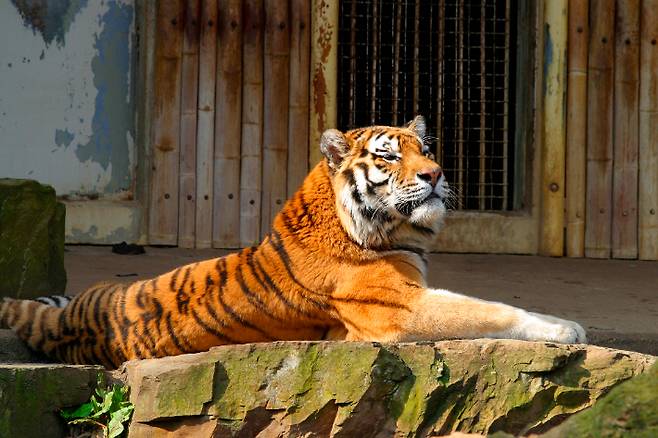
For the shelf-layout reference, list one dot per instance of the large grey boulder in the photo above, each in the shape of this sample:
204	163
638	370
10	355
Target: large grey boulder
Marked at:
347	389
31	240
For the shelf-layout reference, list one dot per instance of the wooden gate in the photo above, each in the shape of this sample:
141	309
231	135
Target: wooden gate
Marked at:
230	118
612	132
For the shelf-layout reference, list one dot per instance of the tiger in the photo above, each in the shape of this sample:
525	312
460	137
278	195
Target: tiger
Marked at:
345	259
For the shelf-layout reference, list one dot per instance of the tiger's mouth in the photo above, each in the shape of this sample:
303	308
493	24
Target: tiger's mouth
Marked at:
407	207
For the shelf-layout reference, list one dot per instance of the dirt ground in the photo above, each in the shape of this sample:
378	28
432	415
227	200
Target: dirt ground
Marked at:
616	301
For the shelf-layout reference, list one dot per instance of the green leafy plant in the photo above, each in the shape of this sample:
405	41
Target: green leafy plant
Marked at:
108	410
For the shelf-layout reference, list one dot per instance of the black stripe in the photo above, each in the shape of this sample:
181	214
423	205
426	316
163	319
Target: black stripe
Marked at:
378	136
349	176
252	297
106	361
237	318
277	244
42	330
172	334
372	301
139	299
412	265
174	279
267	283
212	330
423	230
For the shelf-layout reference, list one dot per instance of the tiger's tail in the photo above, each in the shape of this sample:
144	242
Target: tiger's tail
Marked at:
32	321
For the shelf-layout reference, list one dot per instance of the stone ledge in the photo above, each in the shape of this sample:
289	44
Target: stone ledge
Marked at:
31	396
342	389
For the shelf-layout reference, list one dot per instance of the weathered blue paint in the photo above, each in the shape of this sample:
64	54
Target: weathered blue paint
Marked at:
52	19
63	137
548	54
113	120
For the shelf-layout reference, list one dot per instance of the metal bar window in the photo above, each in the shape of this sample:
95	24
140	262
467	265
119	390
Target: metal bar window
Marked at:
449	60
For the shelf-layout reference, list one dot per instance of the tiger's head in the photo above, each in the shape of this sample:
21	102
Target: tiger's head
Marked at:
390	192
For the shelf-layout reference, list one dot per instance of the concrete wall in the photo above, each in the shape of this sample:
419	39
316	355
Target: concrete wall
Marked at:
67	109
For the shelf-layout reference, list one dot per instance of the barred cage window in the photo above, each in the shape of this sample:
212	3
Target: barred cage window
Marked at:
448	60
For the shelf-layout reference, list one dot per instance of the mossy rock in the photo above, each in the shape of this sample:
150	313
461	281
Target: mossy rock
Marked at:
31	240
346	389
31	396
629	410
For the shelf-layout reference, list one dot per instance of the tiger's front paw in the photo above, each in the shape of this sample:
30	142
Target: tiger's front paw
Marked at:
538	327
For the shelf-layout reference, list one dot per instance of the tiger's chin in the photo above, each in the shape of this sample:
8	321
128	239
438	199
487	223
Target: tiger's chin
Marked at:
429	214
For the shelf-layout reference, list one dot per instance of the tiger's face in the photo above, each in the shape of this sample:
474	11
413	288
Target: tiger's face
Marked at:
389	189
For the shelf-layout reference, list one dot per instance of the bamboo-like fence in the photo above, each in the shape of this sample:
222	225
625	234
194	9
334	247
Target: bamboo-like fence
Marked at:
231	98
612	129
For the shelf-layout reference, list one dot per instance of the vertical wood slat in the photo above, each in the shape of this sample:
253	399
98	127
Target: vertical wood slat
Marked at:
163	209
577	126
275	100
626	124
600	129
188	127
553	131
228	118
298	123
206	123
252	123
324	72
648	147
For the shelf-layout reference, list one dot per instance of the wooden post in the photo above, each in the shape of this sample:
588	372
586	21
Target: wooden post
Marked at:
206	123
600	91
324	73
163	208
577	126
298	124
554	124
648	180
188	129
626	130
275	101
252	124
228	122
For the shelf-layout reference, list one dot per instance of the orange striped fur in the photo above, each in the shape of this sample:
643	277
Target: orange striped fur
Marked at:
344	259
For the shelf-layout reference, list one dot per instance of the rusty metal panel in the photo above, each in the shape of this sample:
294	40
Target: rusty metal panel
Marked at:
324	42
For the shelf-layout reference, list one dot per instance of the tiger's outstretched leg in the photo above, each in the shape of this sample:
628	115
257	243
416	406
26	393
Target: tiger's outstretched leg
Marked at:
421	313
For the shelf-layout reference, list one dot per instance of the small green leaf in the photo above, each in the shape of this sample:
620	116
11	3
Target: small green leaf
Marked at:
117	418
81	411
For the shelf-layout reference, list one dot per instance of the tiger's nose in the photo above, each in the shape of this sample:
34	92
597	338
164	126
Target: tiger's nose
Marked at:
430	175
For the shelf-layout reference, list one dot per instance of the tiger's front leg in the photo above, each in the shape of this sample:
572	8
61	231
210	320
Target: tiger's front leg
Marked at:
435	314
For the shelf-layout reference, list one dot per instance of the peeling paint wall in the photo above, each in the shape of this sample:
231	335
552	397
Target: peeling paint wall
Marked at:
66	94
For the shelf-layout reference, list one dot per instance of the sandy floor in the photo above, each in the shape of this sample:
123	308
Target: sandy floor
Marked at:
616	301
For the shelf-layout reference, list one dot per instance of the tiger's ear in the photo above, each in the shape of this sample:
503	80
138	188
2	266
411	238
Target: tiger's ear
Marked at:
334	146
418	126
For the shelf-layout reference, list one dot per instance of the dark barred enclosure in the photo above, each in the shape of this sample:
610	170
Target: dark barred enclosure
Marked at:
449	60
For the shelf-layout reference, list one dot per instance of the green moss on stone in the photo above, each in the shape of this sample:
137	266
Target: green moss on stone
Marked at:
32	236
630	409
